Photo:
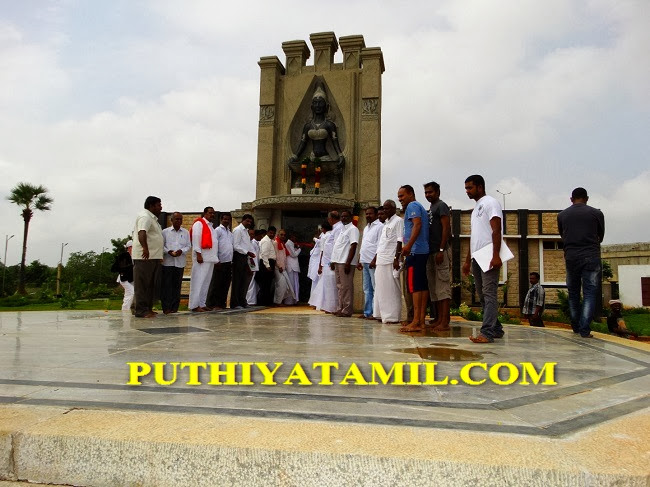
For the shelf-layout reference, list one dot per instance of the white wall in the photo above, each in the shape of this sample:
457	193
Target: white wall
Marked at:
629	283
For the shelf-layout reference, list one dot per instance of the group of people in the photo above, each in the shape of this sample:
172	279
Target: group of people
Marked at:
417	247
407	257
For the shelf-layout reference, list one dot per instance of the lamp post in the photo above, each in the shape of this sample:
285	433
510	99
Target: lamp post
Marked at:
4	269
504	197
58	271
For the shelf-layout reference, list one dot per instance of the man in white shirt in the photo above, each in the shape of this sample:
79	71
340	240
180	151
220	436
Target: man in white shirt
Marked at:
205	249
176	244
266	271
253	287
388	291
486	228
367	252
283	285
343	263
222	273
293	268
147	256
240	269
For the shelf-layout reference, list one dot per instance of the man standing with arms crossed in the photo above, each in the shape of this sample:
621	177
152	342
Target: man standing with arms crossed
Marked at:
416	252
439	261
486	229
147	256
582	229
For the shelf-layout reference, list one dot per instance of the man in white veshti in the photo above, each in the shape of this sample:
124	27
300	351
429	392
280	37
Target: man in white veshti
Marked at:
204	255
387	304
293	269
283	289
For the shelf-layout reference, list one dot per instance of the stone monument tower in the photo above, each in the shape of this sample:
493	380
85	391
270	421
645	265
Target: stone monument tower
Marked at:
319	140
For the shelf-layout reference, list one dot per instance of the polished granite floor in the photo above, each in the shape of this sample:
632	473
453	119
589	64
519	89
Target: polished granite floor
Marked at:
78	359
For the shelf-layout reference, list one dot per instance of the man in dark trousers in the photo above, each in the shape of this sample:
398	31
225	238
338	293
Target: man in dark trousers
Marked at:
582	229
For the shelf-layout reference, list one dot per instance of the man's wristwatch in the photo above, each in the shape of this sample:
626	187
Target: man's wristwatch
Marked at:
441	250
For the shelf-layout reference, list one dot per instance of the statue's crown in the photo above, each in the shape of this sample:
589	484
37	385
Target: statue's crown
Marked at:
319	92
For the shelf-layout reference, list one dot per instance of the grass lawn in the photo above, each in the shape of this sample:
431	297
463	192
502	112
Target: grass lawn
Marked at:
93	304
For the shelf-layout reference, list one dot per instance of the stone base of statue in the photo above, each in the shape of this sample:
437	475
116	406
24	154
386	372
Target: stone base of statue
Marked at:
330	176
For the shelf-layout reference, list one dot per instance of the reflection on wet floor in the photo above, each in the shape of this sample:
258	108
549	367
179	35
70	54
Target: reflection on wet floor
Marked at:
442	354
453	332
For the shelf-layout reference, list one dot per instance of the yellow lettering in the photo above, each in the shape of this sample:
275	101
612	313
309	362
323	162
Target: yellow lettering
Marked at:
494	373
466	373
325	372
430	375
229	374
246	374
137	370
377	369
354	374
268	374
193	372
414	374
297	373
159	372
548	370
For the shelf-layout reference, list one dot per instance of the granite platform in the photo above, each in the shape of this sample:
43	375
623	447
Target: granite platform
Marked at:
72	411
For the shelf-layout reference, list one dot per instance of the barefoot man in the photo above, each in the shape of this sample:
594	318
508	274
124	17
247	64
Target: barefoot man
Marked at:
439	261
416	252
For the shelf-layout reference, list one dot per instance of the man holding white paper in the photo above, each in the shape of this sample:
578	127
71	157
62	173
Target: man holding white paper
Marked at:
486	230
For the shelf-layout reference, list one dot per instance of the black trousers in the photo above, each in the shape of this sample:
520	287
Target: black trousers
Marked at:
264	280
170	291
240	280
219	285
146	281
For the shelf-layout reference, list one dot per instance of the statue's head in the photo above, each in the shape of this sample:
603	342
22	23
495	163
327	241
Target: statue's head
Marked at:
319	103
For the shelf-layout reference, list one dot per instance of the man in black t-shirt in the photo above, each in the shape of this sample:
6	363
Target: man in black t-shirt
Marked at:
439	262
582	229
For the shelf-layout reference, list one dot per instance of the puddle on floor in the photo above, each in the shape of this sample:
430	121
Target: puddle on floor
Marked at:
442	354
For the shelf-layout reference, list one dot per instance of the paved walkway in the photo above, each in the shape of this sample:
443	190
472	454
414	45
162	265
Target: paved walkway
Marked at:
77	360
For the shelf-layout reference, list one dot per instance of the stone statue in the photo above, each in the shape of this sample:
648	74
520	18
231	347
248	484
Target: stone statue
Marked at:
319	131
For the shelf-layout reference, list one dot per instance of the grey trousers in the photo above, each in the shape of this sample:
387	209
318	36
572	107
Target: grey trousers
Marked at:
486	287
146	281
345	288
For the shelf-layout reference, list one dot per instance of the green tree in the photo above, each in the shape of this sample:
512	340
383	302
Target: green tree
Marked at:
30	198
38	274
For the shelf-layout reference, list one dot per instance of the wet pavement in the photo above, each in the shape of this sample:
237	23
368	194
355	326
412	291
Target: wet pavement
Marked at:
79	359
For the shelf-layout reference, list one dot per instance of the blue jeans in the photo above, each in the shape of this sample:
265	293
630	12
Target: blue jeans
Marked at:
368	288
583	272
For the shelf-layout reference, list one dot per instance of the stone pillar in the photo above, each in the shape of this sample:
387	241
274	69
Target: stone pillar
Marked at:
271	70
351	47
297	54
369	162
325	45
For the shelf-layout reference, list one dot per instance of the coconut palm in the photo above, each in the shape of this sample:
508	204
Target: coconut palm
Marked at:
30	198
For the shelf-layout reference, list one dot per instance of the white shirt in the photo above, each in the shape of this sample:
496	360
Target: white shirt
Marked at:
224	235
481	234
148	222
369	242
175	240
255	248
208	255
336	230
328	246
241	240
267	251
391	233
348	236
292	258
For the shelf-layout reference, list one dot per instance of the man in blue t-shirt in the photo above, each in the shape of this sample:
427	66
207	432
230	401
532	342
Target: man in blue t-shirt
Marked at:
416	252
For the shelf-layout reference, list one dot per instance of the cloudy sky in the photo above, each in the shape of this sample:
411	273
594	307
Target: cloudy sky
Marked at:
107	102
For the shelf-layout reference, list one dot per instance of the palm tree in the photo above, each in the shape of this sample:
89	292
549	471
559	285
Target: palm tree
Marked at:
30	198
